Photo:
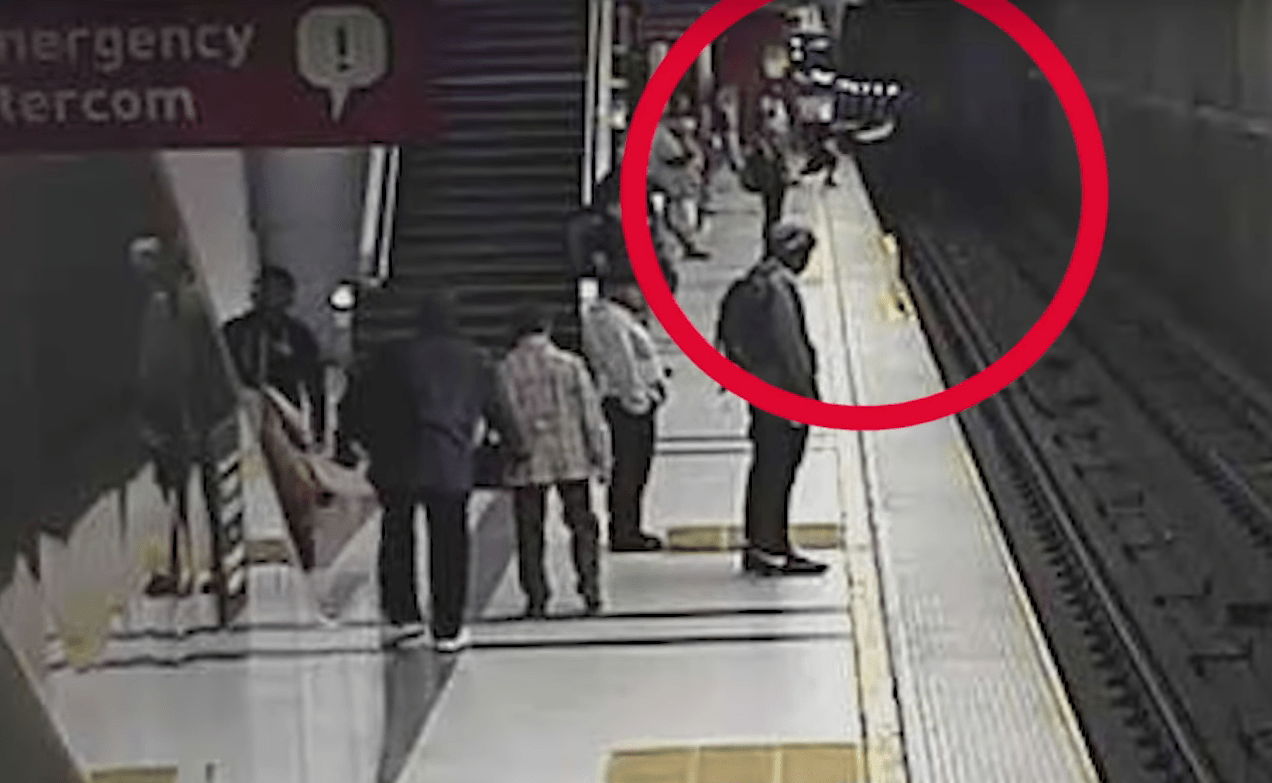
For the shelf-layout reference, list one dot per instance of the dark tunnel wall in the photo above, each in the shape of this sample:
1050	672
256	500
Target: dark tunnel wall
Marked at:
1183	93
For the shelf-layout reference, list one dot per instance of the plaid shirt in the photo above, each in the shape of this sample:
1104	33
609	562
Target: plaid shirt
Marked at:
558	413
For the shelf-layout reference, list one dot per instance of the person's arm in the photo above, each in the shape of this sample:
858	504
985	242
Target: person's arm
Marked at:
314	379
235	334
498	410
614	354
594	425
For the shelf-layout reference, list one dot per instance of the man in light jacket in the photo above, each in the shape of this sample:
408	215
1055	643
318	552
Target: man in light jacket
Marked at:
631	381
558	413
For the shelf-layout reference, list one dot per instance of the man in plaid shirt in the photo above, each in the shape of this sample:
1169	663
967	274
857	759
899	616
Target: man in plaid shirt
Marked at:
557	410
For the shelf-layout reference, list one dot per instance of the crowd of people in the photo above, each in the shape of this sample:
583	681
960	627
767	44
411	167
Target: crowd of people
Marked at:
431	412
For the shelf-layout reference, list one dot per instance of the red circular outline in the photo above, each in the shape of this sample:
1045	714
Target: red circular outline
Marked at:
1086	251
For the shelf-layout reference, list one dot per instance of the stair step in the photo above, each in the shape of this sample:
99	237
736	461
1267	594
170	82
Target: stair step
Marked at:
523	247
533	117
482	212
567	99
409	276
466	27
499	174
560	192
488	230
500	156
536	10
511	62
511	79
507	132
529	45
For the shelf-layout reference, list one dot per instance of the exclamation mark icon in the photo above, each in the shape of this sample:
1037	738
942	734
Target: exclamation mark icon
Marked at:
343	61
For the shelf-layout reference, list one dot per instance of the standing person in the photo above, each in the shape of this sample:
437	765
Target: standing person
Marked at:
271	348
762	328
595	239
558	413
174	410
673	173
631	381
416	410
766	170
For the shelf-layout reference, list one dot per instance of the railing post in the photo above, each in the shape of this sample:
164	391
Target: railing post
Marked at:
604	141
372	207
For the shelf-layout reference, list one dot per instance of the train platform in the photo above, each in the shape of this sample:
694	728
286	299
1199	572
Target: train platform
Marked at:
916	658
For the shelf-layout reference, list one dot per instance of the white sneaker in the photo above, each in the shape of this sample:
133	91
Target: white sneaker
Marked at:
454	644
403	635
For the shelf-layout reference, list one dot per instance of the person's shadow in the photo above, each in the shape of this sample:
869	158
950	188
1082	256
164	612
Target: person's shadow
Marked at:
413	680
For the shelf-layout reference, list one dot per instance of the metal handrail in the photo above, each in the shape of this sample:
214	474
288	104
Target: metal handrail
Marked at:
378	213
591	97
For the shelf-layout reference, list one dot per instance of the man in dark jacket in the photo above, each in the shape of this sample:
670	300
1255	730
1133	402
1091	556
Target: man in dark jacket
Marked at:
788	361
416	410
272	348
597	244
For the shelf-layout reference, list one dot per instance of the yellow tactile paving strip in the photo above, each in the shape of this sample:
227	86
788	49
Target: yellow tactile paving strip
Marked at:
723	538
135	775
790	763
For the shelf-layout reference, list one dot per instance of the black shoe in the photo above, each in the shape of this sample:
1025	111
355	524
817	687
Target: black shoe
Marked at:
761	563
797	565
591	606
642	544
535	612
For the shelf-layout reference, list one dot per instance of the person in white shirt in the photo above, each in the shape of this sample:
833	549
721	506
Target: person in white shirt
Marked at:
631	381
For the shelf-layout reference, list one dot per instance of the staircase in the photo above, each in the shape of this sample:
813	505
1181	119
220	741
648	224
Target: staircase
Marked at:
481	211
668	19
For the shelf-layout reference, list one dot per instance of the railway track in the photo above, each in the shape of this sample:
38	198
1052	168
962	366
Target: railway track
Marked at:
1126	470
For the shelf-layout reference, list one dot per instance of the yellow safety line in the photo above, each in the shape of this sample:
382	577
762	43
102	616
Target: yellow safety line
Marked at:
884	760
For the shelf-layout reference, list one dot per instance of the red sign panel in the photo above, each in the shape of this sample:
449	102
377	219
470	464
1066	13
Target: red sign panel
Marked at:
179	73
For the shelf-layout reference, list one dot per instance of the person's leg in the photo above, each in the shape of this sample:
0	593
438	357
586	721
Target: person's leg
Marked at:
832	168
774	203
681	222
448	555
645	428
619	519
576	498
765	493
399	598
794	447
528	503
180	559
789	446
627	482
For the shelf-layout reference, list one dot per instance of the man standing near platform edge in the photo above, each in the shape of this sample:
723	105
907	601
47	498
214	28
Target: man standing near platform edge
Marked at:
777	350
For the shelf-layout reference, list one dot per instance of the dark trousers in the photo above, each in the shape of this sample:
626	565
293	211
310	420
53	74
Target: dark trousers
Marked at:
633	439
529	503
778	450
448	547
